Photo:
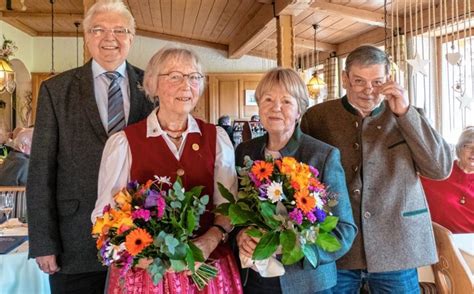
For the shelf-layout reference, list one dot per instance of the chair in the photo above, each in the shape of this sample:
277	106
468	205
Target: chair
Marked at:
452	274
20	200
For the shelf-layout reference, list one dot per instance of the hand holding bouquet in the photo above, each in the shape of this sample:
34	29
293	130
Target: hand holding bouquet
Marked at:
151	227
286	206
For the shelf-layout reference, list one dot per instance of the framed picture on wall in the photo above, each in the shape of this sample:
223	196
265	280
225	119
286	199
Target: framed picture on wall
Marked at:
250	97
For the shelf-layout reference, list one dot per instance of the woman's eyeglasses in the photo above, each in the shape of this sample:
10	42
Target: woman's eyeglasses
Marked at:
117	32
176	77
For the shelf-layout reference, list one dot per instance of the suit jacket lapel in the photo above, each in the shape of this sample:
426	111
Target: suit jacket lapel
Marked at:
136	94
86	81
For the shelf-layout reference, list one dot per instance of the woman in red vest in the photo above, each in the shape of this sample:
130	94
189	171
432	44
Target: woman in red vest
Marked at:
451	201
171	142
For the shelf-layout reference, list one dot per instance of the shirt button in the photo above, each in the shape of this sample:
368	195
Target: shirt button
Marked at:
356	123
356	192
180	172
355	168
379	127
356	146
367	215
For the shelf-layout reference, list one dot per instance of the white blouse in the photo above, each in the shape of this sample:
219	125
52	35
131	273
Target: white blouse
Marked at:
114	173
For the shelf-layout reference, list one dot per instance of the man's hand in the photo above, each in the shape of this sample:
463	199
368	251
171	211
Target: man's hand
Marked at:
47	264
246	243
396	97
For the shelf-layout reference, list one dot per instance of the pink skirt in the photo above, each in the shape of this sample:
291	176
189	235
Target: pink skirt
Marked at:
137	281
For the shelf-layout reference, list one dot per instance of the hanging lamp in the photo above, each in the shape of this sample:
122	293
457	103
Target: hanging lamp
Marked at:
315	84
7	77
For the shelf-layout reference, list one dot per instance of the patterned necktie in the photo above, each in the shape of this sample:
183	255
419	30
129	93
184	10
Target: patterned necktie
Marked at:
116	115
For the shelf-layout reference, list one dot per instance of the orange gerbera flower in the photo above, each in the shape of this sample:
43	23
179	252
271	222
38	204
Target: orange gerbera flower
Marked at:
137	240
262	169
304	202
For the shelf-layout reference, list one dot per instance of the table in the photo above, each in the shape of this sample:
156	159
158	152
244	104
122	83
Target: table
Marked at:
20	275
465	243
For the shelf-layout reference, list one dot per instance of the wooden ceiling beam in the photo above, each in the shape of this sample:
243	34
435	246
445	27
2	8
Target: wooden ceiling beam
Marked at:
373	37
21	26
359	15
185	40
263	25
320	46
30	15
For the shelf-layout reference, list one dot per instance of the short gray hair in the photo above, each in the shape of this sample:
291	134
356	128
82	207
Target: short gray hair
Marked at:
287	79
467	136
367	55
104	6
159	62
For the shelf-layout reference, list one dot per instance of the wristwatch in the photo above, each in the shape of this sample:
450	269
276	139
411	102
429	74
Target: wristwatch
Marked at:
225	234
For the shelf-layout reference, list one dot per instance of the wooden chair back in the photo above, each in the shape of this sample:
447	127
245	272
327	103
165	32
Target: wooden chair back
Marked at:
452	274
20	199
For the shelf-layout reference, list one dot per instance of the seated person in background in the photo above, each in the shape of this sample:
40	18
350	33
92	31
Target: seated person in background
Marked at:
3	147
225	123
255	117
451	201
14	170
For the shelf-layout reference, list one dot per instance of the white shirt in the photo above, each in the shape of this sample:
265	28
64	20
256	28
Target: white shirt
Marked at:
114	172
101	89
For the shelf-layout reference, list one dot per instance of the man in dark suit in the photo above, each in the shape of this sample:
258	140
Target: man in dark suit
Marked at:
73	123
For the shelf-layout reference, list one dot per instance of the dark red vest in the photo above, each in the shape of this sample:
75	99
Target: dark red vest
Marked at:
151	156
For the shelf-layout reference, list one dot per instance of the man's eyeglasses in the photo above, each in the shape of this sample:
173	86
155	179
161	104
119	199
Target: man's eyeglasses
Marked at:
117	32
176	77
360	84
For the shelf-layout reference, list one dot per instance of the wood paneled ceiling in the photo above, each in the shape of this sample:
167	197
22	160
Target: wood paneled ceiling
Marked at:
236	26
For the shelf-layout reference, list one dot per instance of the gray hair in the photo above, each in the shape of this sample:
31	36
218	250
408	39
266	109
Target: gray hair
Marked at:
467	136
287	79
367	55
161	60
105	6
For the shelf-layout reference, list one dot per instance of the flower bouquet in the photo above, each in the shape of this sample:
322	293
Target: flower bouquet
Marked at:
153	224
287	207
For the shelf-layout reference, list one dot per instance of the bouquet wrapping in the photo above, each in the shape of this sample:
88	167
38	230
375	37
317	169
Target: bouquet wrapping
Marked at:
287	208
151	226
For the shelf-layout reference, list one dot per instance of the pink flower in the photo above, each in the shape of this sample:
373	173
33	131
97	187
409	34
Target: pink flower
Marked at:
311	217
296	216
160	205
141	213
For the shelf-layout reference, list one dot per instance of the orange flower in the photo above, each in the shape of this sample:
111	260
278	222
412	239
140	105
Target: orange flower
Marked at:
262	169
304	202
137	240
123	200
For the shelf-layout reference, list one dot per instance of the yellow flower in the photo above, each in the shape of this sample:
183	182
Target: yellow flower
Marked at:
123	200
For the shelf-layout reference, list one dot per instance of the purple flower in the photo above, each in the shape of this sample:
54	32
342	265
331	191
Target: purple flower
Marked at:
161	205
141	213
106	209
262	191
132	185
320	215
311	217
313	170
254	179
296	216
150	200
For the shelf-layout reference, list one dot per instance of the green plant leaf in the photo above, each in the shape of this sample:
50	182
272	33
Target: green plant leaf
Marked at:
175	204
310	255
238	216
292	256
290	248
171	243
204	199
226	193
267	246
222	209
190	257
328	242
329	223
287	240
254	232
156	270
178	265
191	221
267	210
197	253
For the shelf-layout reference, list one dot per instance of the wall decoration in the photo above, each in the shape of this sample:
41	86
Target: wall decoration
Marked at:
250	98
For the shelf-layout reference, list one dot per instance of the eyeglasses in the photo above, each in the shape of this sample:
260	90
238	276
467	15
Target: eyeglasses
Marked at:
176	77
360	84
468	147
117	32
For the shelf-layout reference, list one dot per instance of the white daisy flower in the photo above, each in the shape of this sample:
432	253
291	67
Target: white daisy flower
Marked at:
319	202
275	192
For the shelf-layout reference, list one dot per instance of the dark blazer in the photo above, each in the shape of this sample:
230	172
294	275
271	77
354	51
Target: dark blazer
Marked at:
64	165
302	277
382	156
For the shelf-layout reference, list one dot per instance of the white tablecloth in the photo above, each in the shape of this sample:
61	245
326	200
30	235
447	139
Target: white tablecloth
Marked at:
18	274
465	243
